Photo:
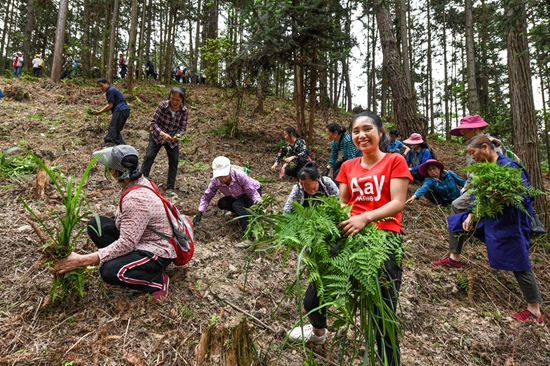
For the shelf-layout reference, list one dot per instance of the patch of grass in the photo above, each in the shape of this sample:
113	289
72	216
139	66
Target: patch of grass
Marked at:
13	167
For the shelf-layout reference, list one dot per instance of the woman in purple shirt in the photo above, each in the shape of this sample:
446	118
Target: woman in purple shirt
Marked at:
240	192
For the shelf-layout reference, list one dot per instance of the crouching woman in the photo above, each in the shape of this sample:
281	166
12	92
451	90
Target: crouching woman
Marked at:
129	253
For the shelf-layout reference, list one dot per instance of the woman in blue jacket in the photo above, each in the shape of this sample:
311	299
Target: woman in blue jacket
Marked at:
441	187
417	156
506	236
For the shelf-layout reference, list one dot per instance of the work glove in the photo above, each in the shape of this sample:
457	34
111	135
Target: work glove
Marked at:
197	218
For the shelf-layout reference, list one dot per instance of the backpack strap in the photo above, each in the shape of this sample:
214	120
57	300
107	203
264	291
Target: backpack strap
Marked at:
157	192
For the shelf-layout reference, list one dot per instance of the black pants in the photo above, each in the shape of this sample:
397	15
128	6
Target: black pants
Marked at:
140	270
526	279
173	155
393	273
237	206
36	71
293	168
118	120
436	198
417	176
336	169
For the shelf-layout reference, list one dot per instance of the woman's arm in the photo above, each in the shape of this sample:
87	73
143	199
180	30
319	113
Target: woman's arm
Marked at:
75	260
398	193
333	154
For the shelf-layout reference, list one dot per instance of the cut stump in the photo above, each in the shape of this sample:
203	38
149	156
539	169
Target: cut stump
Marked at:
228	343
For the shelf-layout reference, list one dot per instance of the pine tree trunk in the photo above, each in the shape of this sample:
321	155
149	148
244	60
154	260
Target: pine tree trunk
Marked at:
57	61
132	47
473	100
28	35
521	99
228	343
111	57
3	48
403	99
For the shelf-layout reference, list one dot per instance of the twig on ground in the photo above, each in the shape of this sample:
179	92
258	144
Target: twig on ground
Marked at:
264	325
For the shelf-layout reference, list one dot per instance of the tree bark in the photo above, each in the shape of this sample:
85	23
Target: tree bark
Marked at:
29	24
57	61
521	99
473	100
111	57
227	343
132	47
404	102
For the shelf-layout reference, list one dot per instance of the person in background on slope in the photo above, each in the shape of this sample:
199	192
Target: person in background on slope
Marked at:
122	63
294	152
36	65
310	185
441	187
168	126
506	236
389	172
396	146
419	153
116	103
240	191
130	254
17	64
341	141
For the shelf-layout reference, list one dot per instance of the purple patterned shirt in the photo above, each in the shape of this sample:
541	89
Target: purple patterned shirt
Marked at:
163	120
240	184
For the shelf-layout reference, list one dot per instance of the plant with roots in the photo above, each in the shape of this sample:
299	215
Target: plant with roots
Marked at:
59	240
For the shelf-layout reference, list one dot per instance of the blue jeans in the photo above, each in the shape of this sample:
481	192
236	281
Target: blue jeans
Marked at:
17	72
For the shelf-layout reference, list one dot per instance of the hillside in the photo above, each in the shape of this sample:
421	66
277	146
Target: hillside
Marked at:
450	317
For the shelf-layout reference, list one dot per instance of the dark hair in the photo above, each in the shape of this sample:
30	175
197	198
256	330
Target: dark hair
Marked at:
291	131
384	140
130	162
335	127
395	132
309	171
178	90
103	81
478	141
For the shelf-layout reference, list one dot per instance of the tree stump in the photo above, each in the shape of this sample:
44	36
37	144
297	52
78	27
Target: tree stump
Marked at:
227	343
41	176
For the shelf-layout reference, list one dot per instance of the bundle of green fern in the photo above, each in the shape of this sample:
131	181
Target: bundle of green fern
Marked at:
348	271
494	187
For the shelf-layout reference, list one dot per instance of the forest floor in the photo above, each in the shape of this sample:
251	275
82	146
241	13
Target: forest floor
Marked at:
449	316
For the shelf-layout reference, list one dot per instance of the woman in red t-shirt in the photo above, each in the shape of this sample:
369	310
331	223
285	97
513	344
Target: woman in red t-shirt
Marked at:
376	185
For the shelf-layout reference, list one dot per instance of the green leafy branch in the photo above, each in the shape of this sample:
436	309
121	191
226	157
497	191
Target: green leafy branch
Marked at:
494	187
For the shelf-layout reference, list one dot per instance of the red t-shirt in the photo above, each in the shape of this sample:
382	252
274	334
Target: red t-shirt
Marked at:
369	189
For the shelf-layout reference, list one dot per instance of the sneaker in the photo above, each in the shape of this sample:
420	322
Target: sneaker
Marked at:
170	193
526	315
295	335
244	244
229	214
160	294
447	262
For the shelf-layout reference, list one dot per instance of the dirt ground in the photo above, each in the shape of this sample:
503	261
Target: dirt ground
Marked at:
450	317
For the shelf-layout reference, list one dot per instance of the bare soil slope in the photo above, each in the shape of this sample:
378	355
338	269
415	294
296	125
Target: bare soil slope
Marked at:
450	317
